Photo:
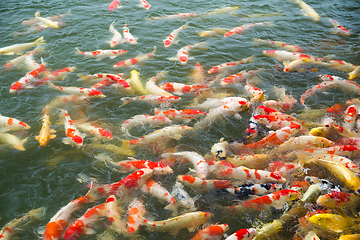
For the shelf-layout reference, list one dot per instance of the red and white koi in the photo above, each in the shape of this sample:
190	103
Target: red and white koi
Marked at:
152	99
12	227
226	110
46	133
277	199
19	48
100	54
141	120
229	65
128	37
302	64
181	88
73	136
244	174
287	57
317	88
286	46
97	131
183	114
350	117
214	103
183	54
243	234
55	228
56	75
115	4
197	183
12	124
199	162
273	122
144	4
61	100
338	28
212	232
237	78
171	39
256	93
190	221
342	65
341	150
156	190
116	38
83	225
309	11
113	215
136	213
100	76
28	80
287	103
198	73
136	60
275	138
30	63
336	199
86	92
127	185
176	16
241	29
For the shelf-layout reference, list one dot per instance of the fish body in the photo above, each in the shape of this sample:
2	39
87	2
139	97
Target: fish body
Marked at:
45	133
286	46
229	65
19	48
112	212
141	120
56	75
128	37
135	83
46	21
116	38
176	16
152	99
198	73
171	39
73	136
61	100
332	222
304	142
182	197
184	114
135	61
144	4
12	124
79	91
100	54
317	88
213	32
237	78
133	165
310	12
212	232
241	29
244	191
183	53
136	213
181	88
97	131
188	220
287	57
201	184
115	4
243	234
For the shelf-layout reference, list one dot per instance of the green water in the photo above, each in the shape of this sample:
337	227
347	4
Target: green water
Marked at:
33	178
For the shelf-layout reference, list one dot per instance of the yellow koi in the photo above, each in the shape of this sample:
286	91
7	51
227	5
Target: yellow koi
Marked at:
45	133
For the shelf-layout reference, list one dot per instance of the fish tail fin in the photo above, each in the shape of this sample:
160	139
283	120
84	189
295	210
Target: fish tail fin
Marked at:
20	145
78	51
269	23
126	149
258	40
173	208
37	14
39	41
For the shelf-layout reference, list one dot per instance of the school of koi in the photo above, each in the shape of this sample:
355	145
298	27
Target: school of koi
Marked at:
280	165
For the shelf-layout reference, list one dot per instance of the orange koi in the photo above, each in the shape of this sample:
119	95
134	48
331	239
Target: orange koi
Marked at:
45	133
171	39
212	232
12	124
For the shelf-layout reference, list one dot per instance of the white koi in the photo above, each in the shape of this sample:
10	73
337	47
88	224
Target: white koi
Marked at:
12	124
310	12
182	54
213	32
176	16
171	39
136	60
116	38
136	213
141	120
128	37
19	48
62	100
214	103
100	54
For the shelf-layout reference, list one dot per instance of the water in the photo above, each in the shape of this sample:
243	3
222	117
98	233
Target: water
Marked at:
47	176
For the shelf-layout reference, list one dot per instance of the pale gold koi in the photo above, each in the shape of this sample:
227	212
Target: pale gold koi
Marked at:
45	133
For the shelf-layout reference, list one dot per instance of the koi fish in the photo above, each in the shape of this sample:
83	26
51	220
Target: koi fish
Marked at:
46	133
134	61
276	199
59	101
83	225
243	234
317	88
240	77
199	162
58	223
181	88
135	83
302	64
336	199
136	213
153	89
86	92
56	75
182	54
144	4
128	37
152	99
141	120
171	39
12	227
354	74
99	76
184	114
214	232
176	16
112	213
100	54
73	136
292	48
251	161
21	60
28	80
256	93
188	220
342	65
213	32
303	142
220	10
214	103
19	48
46	21
287	57
115	4
241	29
97	131
13	141
244	191
229	65
339	29
284	106
156	190
12	124
52	18
215	114
310	12
198	73
116	38
203	184
127	185
332	222
350	117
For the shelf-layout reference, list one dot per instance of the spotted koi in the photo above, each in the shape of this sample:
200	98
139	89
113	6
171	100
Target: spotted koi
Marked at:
338	28
133	165
183	53
214	232
56	75
183	114
97	131
12	124
241	29
86	92
100	54
171	39
116	38
136	213
237	78
152	99
243	234
181	88
135	61
141	120
201	184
